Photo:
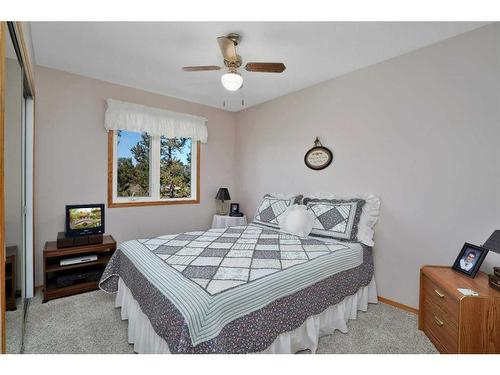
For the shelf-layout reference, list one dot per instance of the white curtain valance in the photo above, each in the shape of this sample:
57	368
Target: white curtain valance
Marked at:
154	121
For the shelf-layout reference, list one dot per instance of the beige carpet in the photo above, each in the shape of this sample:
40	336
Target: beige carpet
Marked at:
14	328
89	323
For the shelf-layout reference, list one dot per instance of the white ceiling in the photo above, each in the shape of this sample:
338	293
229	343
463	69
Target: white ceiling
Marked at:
149	55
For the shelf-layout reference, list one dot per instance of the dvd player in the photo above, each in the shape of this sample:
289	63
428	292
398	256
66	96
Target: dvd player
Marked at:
76	260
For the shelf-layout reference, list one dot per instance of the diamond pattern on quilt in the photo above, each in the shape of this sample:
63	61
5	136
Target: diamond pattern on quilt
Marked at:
201	244
218	260
156	241
267	247
190	251
186	237
167	250
243	246
288	248
268	241
240	254
293	255
207	261
175	242
266	263
232	273
230	239
236	262
196	272
220	245
214	252
266	254
180	260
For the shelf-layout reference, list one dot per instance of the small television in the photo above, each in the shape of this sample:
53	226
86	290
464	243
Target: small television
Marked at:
84	219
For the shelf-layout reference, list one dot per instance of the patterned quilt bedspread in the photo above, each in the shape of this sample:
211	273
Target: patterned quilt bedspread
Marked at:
213	278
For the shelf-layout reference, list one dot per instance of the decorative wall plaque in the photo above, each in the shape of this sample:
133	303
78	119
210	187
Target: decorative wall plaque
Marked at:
318	157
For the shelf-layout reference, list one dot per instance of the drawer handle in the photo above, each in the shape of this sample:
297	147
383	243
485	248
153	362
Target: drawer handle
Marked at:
441	295
438	321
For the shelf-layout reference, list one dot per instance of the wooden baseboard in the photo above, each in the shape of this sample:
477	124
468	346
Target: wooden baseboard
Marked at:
398	305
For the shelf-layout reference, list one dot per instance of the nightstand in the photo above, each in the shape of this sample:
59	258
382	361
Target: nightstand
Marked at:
10	278
456	323
226	221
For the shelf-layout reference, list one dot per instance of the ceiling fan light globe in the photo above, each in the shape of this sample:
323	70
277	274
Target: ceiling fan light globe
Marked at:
231	81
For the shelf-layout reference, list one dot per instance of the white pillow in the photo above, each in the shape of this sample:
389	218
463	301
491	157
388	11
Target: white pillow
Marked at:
297	220
369	214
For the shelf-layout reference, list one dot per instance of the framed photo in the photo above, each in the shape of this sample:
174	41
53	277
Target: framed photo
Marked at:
318	157
235	208
469	259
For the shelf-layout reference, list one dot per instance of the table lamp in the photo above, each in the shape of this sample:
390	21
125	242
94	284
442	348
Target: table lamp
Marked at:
493	244
223	199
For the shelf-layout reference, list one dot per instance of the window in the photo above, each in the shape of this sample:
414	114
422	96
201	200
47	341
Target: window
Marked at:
152	170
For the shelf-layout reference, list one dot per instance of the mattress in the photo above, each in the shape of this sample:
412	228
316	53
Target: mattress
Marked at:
235	289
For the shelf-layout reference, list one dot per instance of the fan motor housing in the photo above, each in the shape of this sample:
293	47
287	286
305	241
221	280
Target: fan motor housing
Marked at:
236	38
233	64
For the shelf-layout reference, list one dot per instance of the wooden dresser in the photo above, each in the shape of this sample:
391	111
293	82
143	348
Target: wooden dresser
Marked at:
456	323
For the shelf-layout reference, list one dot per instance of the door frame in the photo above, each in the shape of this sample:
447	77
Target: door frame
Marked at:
3	342
15	31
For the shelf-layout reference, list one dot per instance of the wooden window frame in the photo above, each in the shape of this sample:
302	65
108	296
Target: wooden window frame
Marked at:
162	202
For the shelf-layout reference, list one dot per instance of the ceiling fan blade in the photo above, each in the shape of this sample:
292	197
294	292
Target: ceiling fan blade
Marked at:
265	67
227	48
200	68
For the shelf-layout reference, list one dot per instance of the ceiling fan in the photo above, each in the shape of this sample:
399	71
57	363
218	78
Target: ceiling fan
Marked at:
232	80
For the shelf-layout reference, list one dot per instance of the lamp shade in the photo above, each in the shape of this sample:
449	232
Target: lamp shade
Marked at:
232	81
223	195
493	243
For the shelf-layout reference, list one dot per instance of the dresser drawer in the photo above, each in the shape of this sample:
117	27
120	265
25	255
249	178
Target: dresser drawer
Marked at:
442	331
436	296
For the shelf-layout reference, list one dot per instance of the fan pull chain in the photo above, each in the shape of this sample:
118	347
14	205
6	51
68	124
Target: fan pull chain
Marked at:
242	96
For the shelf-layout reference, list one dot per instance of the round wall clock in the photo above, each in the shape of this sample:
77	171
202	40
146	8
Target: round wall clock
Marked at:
318	157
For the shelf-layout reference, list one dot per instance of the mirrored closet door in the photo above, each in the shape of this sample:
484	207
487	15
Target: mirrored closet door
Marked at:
18	177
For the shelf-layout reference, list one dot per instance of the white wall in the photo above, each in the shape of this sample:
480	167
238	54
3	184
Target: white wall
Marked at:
419	130
71	159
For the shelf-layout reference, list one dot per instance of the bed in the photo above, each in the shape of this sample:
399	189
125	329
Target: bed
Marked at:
242	289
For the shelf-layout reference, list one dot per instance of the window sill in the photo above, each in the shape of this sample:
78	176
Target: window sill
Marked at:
152	203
